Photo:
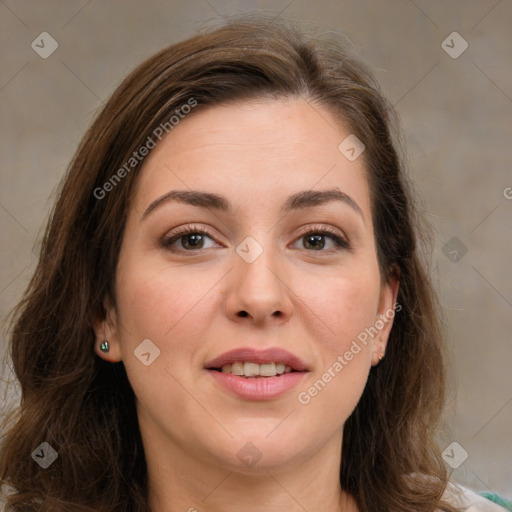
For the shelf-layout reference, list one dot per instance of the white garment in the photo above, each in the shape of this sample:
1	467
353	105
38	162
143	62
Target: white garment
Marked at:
468	500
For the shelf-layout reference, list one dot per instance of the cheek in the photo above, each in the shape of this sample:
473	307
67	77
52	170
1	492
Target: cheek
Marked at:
347	307
332	396
172	309
331	393
155	301
343	307
165	306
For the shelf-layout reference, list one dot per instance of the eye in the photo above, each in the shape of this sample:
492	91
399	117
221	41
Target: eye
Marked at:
325	239
188	238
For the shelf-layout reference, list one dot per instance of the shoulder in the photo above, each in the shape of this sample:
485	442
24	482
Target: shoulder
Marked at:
468	500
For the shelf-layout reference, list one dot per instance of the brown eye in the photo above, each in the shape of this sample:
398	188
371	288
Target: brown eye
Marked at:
322	240
192	241
313	242
188	240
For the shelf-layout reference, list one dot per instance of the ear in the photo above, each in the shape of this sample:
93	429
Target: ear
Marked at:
385	314
106	328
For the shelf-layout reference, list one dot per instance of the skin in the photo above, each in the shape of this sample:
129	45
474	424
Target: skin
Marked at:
312	302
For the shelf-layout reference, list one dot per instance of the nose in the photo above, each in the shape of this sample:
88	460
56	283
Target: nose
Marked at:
259	292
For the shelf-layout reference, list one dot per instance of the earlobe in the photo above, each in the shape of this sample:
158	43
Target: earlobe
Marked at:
107	349
379	351
106	343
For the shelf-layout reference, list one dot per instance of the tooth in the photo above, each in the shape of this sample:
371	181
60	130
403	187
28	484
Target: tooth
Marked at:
251	369
268	369
242	369
237	368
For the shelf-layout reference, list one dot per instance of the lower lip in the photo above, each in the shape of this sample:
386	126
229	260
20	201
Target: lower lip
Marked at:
257	388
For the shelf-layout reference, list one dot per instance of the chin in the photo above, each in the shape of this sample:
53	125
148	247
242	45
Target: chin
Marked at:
261	452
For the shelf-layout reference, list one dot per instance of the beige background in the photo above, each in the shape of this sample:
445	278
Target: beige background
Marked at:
457	119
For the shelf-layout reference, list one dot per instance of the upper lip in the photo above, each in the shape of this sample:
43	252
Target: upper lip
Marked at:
252	355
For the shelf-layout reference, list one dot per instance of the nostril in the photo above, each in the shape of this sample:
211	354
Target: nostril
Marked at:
243	313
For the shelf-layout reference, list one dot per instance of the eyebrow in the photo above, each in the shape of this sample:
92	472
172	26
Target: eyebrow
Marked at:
297	201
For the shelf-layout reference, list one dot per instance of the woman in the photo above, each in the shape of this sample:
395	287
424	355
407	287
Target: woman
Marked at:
230	308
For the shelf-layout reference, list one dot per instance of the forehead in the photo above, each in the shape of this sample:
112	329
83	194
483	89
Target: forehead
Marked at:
254	149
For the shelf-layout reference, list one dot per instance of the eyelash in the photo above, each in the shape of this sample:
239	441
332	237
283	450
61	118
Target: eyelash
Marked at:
168	240
324	230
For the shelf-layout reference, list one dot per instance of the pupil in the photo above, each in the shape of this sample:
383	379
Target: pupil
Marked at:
314	241
192	241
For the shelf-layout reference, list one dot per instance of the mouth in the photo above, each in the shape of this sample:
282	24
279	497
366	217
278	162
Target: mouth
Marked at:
249	362
257	374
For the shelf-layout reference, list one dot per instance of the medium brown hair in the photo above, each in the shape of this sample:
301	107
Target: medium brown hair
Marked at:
84	406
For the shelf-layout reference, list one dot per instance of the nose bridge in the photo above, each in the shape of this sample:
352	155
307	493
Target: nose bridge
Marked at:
257	288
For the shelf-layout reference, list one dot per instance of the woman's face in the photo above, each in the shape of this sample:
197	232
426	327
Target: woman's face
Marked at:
268	250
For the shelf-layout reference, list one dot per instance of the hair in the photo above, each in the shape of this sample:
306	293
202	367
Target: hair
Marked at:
84	406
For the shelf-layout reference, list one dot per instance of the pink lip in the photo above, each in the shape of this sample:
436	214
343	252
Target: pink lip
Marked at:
269	355
257	388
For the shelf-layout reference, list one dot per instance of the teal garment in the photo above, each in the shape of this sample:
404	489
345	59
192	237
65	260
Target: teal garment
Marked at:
498	500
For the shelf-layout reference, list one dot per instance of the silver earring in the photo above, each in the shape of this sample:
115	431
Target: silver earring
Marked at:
105	347
381	354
